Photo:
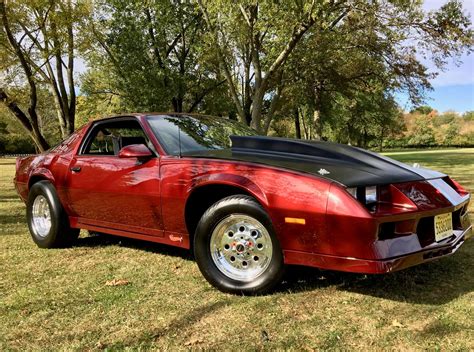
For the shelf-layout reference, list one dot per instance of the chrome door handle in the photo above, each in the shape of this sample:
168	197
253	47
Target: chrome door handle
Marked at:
75	169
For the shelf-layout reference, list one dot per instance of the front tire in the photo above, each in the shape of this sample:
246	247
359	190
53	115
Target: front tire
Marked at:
47	219
236	248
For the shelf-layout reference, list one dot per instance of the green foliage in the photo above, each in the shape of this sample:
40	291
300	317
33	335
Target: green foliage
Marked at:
40	42
424	109
452	133
15	143
468	116
423	135
149	56
444	119
12	141
345	78
337	64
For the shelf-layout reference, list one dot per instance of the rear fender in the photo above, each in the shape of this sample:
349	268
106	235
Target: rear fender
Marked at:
40	174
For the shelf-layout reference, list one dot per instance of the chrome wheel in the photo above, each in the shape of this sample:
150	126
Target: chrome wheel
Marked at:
241	247
41	216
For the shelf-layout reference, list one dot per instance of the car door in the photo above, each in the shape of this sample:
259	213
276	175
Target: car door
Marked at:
105	190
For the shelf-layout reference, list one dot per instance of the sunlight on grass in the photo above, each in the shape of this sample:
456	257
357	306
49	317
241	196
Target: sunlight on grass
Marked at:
59	300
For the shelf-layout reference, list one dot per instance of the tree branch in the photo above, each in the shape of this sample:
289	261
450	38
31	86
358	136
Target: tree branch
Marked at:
222	64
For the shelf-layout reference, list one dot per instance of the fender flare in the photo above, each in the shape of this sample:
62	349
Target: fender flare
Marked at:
40	174
237	181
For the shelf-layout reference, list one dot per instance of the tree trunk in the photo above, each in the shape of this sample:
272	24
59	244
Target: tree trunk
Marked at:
41	143
381	140
257	106
316	124
71	118
30	124
317	118
261	81
297	123
306	134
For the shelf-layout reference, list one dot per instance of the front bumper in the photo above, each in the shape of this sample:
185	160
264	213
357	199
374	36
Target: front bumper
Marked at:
364	266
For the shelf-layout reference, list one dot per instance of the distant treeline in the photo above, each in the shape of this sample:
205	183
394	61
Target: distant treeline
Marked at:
430	129
420	128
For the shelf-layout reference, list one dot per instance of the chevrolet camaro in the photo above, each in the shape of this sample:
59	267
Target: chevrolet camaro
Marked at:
246	205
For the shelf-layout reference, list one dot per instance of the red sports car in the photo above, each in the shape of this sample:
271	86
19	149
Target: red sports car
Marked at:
247	205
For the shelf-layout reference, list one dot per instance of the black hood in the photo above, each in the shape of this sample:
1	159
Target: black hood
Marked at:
345	164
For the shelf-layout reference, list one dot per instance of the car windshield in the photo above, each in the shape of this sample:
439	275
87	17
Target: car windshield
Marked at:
195	133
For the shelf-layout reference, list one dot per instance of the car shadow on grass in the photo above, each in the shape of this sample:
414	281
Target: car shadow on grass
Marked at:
98	240
174	328
8	220
434	283
9	197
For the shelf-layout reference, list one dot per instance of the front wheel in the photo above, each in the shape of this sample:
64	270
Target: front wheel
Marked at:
47	219
236	248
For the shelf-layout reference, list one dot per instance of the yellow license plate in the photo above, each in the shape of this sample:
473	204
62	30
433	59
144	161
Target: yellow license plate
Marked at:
443	226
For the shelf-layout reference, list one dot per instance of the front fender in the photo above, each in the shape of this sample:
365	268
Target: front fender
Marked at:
237	181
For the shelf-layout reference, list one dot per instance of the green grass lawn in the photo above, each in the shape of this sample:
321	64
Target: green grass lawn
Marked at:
58	299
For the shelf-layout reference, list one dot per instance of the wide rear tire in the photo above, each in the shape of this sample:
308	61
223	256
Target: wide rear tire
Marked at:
47	219
236	248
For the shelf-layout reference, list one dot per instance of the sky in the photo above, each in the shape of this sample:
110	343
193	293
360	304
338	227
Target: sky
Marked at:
453	88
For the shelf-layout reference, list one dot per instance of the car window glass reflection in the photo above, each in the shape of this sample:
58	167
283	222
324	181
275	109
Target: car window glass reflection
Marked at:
195	134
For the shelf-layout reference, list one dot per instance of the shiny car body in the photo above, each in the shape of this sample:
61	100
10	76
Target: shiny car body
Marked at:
331	206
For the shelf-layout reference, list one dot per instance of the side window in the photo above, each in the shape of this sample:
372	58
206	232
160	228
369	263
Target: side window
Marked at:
107	138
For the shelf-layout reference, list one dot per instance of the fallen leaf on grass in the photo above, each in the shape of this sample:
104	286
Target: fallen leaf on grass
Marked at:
193	341
117	282
397	324
100	345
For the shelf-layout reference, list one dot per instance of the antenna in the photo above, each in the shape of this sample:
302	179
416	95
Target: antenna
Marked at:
179	140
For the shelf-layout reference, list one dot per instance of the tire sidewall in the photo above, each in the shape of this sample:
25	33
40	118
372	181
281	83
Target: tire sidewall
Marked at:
202	251
45	189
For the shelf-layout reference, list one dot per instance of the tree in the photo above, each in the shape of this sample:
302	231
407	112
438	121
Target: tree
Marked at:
150	56
423	134
423	109
253	42
452	133
39	39
367	40
376	47
445	118
12	141
468	116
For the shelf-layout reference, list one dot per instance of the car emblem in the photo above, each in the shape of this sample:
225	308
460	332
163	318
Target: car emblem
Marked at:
175	238
323	172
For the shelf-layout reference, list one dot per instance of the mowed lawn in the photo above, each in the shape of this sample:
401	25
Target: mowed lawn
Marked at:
58	299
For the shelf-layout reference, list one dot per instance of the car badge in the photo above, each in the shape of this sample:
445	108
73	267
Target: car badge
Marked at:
323	172
175	238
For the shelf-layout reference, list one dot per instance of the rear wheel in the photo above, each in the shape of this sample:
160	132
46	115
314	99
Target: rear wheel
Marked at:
236	248
47	219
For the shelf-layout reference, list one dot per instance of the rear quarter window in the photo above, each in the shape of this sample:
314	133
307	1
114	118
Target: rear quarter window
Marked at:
67	145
